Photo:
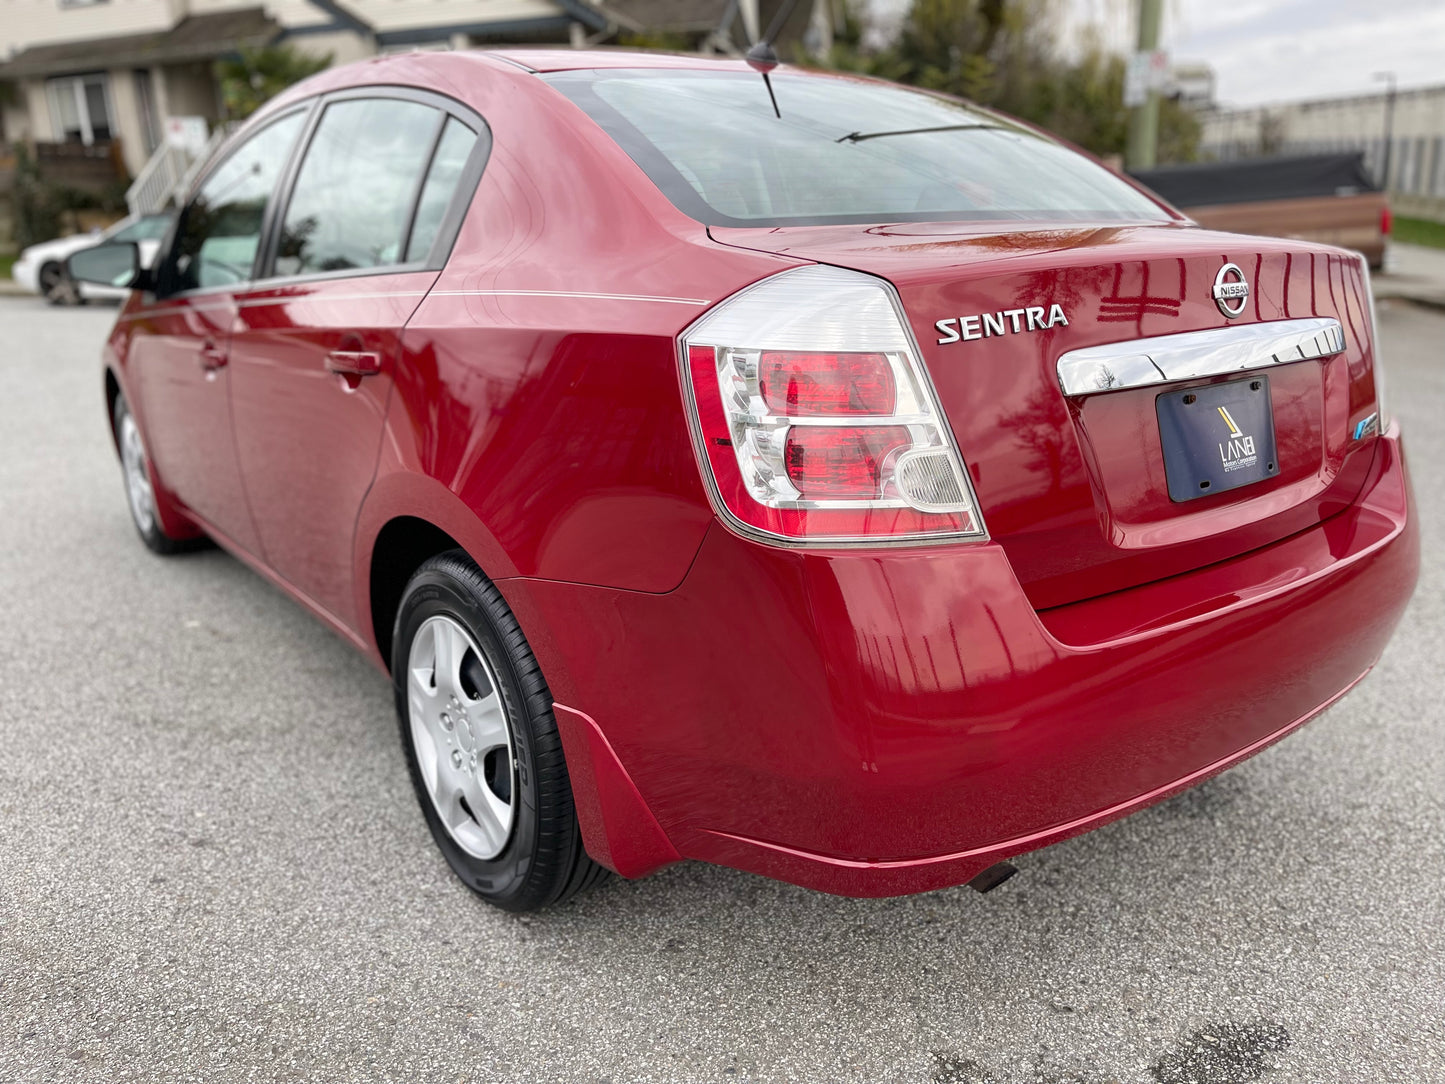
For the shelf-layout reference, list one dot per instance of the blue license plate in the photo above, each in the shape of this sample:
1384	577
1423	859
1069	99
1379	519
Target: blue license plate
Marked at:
1217	438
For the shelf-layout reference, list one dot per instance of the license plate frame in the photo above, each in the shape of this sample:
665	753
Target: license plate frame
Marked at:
1217	437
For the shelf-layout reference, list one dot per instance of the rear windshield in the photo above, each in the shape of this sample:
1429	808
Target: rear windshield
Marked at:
844	151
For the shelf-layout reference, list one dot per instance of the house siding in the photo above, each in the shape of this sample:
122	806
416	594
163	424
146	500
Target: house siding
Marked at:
24	23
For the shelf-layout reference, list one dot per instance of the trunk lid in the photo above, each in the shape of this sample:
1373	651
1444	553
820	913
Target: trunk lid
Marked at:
1073	486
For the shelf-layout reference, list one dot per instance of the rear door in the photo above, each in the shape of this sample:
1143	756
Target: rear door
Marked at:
367	222
178	357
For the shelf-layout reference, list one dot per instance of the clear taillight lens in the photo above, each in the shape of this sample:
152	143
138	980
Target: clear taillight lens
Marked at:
1377	362
814	417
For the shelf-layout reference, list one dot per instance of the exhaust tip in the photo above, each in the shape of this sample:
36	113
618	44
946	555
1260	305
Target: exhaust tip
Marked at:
992	877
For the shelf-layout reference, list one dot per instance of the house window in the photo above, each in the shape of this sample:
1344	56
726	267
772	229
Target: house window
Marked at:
80	109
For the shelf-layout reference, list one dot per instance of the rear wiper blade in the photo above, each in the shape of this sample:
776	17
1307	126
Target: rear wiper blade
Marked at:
859	137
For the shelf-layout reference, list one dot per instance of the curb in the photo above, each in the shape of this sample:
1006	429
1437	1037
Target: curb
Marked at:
1423	298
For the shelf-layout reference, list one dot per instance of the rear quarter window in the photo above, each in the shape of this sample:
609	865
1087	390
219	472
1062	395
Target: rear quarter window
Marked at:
844	150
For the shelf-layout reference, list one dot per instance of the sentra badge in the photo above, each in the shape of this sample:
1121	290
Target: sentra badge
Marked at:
1004	322
1236	450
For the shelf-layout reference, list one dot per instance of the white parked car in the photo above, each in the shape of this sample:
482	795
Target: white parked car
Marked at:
41	268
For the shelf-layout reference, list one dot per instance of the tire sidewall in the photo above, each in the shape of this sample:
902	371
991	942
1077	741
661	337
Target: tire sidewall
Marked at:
436	592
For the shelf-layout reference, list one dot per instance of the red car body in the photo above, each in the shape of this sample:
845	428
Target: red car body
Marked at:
864	720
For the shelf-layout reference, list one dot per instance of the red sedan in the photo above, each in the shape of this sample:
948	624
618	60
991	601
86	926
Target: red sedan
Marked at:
860	492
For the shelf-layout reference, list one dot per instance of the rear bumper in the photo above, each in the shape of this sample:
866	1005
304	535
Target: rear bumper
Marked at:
896	721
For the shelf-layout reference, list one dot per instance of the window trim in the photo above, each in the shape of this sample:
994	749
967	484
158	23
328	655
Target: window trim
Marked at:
447	232
263	274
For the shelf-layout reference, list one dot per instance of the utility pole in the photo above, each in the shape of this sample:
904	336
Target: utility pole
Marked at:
1389	78
1142	150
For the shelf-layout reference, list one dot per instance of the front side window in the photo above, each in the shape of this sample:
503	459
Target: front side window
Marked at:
221	228
844	150
351	206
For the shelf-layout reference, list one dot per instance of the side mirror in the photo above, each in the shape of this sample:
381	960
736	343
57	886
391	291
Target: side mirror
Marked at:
115	264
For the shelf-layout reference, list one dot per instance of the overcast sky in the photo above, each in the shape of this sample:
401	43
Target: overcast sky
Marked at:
1282	50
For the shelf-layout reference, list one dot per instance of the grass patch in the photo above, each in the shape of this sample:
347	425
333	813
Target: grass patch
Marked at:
1418	231
6	263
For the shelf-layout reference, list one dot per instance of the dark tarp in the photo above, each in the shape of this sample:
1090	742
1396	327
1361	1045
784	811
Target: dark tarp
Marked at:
1201	184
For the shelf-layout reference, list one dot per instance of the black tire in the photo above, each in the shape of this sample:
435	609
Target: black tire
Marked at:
151	532
543	861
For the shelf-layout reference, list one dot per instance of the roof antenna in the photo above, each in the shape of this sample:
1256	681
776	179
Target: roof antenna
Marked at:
763	58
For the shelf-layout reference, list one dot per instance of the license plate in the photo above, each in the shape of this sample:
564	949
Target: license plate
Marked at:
1217	438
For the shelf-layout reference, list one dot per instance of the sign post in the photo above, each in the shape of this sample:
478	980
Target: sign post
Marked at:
1146	75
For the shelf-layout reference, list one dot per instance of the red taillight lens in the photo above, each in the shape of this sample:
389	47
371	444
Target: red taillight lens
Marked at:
841	463
1387	221
814	419
799	384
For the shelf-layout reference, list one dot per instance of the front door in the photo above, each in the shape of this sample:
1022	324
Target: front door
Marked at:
181	347
316	342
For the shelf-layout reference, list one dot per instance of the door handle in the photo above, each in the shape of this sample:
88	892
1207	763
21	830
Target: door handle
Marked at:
354	362
212	357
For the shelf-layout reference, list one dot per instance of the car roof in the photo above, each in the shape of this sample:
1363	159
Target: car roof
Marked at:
560	60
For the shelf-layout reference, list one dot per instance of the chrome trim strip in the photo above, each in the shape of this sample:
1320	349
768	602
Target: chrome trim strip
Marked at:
286	299
568	294
1191	355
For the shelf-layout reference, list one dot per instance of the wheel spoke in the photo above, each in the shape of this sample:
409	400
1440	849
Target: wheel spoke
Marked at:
492	815
489	723
449	647
428	755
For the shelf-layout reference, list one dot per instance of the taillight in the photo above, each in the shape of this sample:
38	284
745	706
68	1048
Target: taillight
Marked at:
794	383
814	417
1377	363
1387	220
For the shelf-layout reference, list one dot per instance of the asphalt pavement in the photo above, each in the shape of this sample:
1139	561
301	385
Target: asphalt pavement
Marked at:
212	867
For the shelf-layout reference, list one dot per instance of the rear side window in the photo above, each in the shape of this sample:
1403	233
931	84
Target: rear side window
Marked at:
448	164
844	150
221	229
351	204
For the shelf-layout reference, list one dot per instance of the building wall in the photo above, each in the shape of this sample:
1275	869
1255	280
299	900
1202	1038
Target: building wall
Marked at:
392	15
32	93
191	91
1417	152
342	46
39	22
17	120
129	125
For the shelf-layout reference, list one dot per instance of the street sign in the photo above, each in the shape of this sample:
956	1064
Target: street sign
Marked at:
187	133
1146	71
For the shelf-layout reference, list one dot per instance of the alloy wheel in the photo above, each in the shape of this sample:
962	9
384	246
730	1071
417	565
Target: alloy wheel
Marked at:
138	489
